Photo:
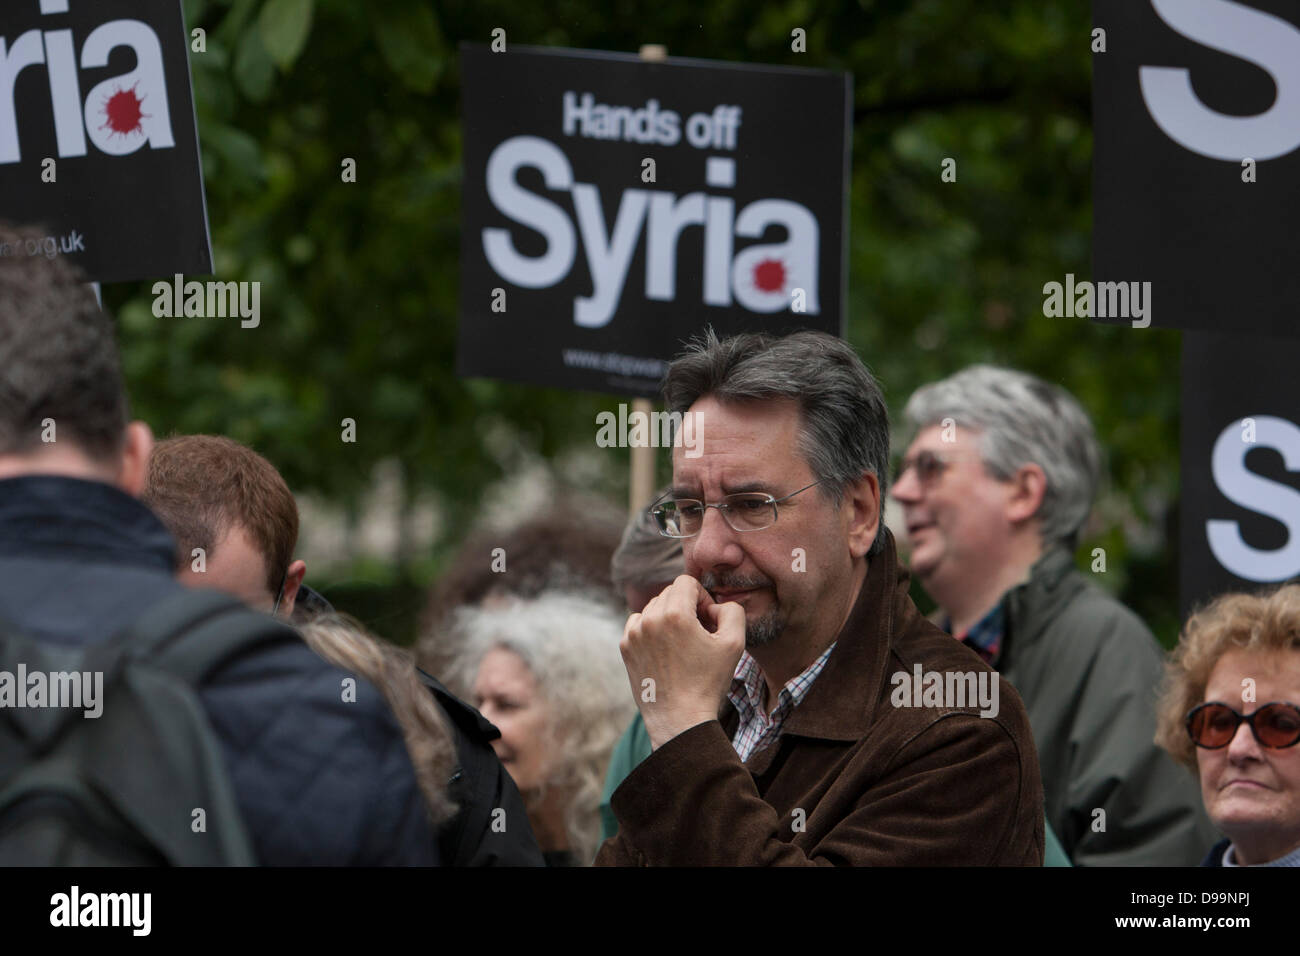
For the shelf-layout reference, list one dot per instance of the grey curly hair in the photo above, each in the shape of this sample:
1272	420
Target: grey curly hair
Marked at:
570	644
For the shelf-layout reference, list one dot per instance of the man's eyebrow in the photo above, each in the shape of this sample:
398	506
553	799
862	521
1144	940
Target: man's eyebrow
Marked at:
727	488
745	486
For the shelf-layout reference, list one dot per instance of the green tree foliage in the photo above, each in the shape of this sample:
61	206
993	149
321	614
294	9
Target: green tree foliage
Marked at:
359	280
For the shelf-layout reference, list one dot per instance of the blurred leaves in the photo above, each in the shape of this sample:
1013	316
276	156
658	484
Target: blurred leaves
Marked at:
254	71
284	26
412	45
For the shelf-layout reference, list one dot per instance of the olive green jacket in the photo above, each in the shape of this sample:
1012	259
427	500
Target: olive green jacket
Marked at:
1087	669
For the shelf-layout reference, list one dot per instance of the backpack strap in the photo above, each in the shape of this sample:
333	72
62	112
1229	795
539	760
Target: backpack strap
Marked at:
189	634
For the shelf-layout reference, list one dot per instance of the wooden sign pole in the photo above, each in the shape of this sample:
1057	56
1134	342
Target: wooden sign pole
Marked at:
642	462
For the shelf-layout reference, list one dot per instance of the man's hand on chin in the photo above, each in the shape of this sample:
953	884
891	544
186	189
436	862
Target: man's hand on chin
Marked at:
688	645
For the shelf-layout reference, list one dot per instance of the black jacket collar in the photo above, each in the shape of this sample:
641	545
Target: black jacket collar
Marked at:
71	517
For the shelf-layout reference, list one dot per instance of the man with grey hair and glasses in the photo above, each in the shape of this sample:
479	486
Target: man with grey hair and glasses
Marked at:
995	486
770	676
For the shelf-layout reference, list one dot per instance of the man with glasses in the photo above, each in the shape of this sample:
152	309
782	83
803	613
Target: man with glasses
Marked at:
995	487
767	675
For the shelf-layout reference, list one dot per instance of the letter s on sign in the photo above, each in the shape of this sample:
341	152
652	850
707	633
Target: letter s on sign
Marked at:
530	210
1242	486
1271	43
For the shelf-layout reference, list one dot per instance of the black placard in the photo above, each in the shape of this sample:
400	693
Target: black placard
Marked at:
1240	507
102	88
743	227
1184	92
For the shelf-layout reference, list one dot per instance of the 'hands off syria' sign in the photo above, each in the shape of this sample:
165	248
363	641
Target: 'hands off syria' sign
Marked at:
613	208
97	139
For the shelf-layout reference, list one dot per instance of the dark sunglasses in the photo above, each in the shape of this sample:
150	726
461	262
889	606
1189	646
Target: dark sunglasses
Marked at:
1213	725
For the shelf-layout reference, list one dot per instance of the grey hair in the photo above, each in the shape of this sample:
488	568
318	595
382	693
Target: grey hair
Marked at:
845	429
644	557
569	643
1022	420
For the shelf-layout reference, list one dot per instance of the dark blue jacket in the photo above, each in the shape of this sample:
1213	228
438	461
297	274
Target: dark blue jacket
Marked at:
319	781
1215	856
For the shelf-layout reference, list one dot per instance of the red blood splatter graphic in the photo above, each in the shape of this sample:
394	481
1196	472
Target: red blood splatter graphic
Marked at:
769	275
122	113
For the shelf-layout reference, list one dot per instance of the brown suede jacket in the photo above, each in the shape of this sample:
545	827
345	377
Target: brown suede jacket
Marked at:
852	779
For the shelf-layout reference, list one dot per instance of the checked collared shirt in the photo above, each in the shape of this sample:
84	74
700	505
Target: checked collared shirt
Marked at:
758	728
985	636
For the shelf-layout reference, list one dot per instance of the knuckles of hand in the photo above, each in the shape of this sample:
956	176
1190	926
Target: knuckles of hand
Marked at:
677	619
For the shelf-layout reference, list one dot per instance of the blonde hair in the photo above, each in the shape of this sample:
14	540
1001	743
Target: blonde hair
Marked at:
570	644
345	643
1264	621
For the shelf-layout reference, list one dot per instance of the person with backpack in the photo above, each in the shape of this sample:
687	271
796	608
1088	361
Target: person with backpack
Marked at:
222	738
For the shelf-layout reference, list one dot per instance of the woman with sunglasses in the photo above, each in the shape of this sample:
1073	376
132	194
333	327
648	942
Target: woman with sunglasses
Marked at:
1230	709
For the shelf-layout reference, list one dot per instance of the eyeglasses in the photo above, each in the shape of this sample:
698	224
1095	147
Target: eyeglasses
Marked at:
744	511
929	466
1213	725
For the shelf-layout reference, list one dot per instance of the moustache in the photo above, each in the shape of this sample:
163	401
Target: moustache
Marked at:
732	582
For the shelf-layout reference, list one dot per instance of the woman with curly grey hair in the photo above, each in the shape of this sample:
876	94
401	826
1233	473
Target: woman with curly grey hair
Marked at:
548	673
1230	710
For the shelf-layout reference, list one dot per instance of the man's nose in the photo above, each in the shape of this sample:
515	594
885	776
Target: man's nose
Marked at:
907	488
716	544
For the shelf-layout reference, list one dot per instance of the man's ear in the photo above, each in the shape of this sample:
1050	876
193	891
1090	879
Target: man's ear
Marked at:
863	499
292	582
1028	488
134	470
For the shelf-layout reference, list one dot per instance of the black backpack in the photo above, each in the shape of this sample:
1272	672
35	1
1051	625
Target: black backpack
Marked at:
124	788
